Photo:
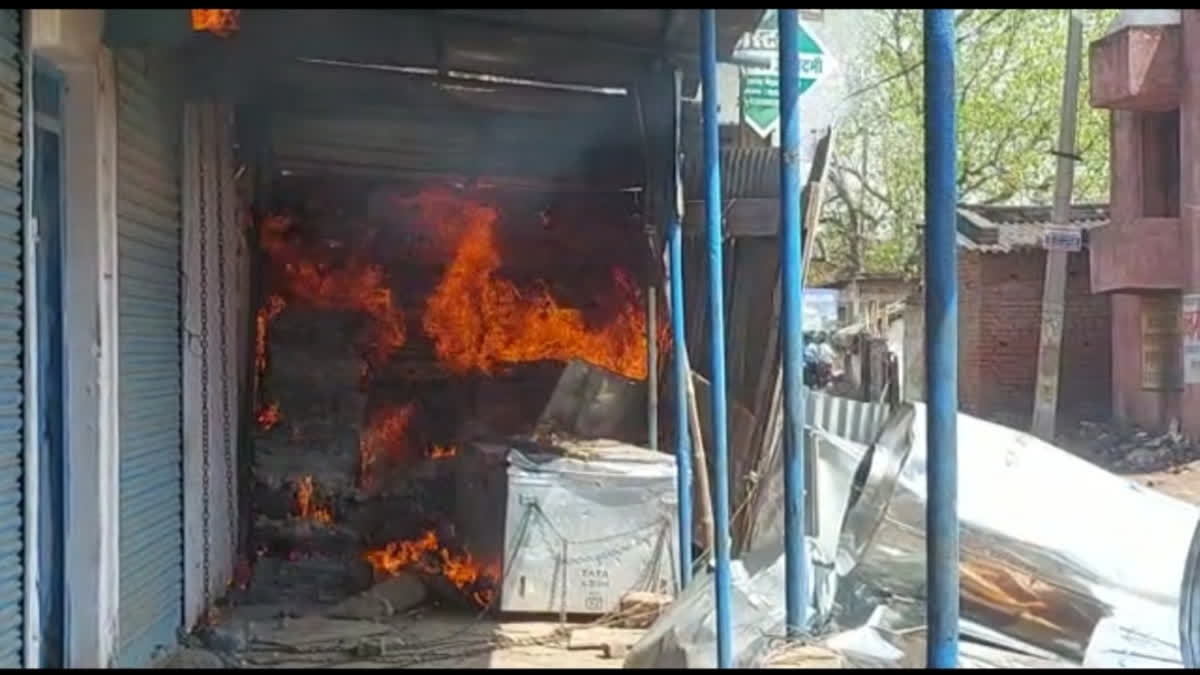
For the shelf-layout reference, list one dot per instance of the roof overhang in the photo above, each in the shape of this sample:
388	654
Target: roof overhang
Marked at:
596	47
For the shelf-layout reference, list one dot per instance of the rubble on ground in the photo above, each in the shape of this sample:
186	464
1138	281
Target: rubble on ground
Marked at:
1132	450
393	595
639	609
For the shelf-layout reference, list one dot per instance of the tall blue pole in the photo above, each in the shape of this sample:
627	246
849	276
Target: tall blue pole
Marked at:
941	342
791	271
683	445
716	314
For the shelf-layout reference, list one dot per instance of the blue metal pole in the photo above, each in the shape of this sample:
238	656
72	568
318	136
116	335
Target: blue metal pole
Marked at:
941	342
791	271
716	314
683	445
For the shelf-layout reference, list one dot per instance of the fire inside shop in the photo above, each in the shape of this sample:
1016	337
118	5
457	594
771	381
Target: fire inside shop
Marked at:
401	323
437	259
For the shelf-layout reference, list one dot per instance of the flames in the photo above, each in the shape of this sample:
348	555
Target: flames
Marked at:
426	554
269	416
479	321
323	284
306	507
274	306
385	434
221	22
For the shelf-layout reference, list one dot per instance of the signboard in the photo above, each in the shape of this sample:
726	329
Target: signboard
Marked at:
1161	342
1058	238
760	85
1191	338
820	308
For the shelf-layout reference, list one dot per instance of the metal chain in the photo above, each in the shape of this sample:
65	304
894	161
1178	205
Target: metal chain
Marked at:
226	214
205	432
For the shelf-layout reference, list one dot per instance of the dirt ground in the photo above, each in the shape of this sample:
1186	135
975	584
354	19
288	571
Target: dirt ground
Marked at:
258	637
1181	482
1173	467
263	637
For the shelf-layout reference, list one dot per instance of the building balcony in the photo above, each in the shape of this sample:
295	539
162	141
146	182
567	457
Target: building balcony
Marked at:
1137	68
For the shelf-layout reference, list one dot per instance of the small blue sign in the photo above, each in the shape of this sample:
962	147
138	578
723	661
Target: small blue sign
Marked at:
820	308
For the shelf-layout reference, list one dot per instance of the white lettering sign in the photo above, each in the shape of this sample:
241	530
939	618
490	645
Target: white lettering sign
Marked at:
1191	338
1059	238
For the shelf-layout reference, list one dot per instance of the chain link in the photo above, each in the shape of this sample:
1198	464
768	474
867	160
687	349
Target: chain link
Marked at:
198	139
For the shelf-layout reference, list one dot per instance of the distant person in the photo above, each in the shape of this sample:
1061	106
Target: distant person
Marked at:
818	361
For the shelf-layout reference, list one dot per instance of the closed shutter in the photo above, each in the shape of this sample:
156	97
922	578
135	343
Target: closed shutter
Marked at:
12	533
150	366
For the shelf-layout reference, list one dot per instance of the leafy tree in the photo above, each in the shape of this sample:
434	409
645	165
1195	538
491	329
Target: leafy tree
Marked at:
1009	76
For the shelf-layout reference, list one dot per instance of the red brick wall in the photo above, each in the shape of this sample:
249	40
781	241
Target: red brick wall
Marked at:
999	335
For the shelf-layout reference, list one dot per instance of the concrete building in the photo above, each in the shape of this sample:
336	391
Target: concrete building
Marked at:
1146	70
865	297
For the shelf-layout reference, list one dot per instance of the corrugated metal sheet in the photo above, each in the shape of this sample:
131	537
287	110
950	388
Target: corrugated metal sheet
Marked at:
746	171
1003	229
150	377
402	142
12	532
857	421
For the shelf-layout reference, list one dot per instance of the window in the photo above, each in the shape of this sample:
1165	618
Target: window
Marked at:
1160	164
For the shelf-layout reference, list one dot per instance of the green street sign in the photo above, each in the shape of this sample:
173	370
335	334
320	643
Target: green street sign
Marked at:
760	85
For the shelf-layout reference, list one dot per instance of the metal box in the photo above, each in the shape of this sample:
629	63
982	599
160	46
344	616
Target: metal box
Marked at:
582	525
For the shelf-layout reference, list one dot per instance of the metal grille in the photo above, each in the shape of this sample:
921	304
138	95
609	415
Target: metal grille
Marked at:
12	559
150	376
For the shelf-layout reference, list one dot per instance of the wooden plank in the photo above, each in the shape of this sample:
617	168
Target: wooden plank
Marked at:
741	429
768	404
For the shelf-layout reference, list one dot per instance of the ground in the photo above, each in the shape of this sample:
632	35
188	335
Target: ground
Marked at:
424	639
1165	462
267	637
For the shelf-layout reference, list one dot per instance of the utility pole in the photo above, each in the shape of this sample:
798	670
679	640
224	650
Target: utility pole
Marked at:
1045	404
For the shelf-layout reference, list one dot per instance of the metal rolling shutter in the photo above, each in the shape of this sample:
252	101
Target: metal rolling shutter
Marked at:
12	532
150	365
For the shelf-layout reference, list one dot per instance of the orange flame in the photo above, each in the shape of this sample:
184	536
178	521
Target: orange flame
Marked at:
269	416
426	554
274	306
306	508
479	321
442	451
222	22
352	285
385	433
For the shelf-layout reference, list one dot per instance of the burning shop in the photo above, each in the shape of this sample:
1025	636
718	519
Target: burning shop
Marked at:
455	258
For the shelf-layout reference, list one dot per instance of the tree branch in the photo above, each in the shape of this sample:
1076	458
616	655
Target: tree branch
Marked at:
906	70
862	181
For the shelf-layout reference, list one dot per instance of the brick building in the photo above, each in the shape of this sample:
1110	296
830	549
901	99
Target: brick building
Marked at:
1001	268
867	296
1146	71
